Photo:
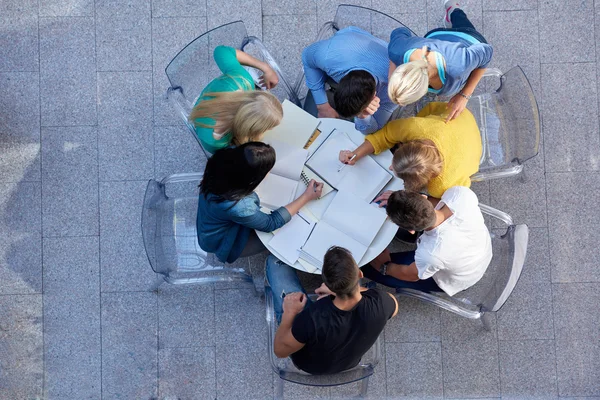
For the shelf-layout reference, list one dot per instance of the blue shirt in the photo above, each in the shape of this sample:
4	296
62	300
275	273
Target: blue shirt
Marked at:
348	50
462	56
223	228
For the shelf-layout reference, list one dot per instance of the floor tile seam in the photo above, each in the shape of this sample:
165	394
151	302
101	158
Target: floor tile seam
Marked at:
103	71
126	291
67	236
66	16
19	71
182	17
69	126
566	62
21	294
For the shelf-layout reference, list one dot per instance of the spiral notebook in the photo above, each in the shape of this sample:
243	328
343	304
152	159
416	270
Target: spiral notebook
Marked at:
306	176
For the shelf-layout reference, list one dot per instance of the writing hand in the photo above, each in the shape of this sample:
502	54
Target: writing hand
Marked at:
313	190
346	157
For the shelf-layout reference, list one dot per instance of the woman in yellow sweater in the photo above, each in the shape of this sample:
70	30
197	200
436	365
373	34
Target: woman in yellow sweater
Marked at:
431	153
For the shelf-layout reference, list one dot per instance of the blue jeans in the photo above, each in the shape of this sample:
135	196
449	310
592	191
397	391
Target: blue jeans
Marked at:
460	23
405	258
283	280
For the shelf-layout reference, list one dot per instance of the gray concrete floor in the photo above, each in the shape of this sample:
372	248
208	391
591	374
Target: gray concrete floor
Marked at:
83	126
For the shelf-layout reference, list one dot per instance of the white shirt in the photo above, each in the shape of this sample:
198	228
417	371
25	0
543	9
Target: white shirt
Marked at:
458	251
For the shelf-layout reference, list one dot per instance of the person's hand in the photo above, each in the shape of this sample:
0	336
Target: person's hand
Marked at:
381	259
313	190
456	105
345	157
383	198
294	303
269	79
370	109
323	291
326	111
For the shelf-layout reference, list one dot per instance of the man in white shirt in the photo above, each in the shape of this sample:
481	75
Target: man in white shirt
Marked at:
452	254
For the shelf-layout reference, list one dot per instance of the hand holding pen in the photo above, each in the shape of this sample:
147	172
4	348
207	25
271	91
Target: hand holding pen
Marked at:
347	158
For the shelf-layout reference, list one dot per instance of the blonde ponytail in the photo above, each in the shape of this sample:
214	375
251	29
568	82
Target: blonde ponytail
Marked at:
417	162
409	82
246	114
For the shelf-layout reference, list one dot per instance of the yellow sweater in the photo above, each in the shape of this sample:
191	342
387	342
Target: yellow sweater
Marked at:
458	141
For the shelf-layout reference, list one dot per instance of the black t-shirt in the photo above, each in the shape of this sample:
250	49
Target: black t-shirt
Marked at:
335	340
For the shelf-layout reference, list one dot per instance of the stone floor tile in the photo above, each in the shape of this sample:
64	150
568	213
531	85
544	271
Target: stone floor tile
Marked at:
527	314
69	181
416	21
169	36
21	245
187	373
119	52
229	317
286	36
455	328
509	5
21	346
399	7
326	9
416	322
176	151
186	316
471	368
129	345
528	369
67	71
220	12
572	227
295	391
19	50
126	153
72	318
564	36
289	7
125	99
578	367
406	366
436	13
537	262
570	139
576	316
66	8
19	127
29	7
123	259
178	8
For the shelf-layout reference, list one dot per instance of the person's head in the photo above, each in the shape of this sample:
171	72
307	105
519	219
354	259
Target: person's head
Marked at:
340	272
246	114
354	93
417	162
233	173
410	210
408	83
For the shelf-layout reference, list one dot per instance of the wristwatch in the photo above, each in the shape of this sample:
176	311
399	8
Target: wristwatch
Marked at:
466	96
383	269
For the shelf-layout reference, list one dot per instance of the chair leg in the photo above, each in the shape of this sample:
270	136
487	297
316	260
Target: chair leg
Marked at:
364	386
486	320
279	389
523	176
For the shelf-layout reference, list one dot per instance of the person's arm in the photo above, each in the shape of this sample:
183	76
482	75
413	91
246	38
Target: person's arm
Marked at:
313	191
269	78
315	76
408	273
285	343
361	151
391	134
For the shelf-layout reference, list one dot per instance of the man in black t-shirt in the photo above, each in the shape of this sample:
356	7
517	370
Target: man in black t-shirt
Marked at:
333	333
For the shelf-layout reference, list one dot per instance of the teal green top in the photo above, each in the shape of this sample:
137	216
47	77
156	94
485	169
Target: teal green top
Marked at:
234	77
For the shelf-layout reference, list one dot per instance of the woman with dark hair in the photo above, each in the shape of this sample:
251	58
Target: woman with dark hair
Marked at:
229	209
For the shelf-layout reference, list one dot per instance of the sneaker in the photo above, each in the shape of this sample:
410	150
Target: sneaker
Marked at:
449	6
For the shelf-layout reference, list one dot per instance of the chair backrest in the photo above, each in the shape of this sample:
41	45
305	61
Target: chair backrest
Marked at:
509	122
170	235
284	367
491	292
375	22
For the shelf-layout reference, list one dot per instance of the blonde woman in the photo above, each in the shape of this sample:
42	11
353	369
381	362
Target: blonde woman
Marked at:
448	61
432	154
229	110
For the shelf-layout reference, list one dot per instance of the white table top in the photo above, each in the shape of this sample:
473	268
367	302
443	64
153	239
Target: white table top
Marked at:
388	230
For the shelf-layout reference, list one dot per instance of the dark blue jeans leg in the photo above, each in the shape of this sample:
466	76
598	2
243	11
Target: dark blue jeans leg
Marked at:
283	280
405	258
461	23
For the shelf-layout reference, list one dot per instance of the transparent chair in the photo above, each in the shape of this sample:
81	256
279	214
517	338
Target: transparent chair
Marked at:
287	371
491	292
194	67
509	121
170	236
377	23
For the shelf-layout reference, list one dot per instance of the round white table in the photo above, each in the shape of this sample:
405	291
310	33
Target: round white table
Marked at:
387	231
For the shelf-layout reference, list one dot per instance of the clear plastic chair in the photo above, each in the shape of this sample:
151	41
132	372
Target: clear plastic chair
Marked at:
170	236
375	22
194	67
509	121
287	371
491	292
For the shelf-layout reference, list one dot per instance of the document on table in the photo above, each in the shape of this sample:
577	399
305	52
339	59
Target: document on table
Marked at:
349	222
288	239
296	127
365	179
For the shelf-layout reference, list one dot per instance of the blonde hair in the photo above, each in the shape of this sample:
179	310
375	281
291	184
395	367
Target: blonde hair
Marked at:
417	162
409	82
246	114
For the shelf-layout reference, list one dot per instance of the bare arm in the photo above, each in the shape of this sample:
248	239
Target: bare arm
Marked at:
391	70
458	103
312	192
403	272
361	151
284	343
269	79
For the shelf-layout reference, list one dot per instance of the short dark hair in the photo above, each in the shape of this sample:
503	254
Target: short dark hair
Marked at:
410	211
340	272
233	173
354	92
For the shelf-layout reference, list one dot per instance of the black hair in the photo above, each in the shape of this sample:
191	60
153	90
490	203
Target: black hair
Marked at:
354	92
340	272
234	172
410	211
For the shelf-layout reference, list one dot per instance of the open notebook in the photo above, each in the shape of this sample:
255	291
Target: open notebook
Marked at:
279	187
365	179
288	239
349	222
296	127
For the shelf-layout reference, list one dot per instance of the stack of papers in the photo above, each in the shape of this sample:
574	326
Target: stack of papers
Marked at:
296	127
291	237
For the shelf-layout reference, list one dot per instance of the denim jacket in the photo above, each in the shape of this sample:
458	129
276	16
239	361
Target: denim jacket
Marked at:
223	228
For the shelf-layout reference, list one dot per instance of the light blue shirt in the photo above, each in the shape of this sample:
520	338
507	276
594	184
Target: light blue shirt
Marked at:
462	56
348	50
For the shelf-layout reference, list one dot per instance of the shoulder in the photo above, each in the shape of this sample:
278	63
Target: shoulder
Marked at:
460	199
223	51
245	207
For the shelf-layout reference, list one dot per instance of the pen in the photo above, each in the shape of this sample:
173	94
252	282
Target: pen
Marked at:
352	158
304	219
